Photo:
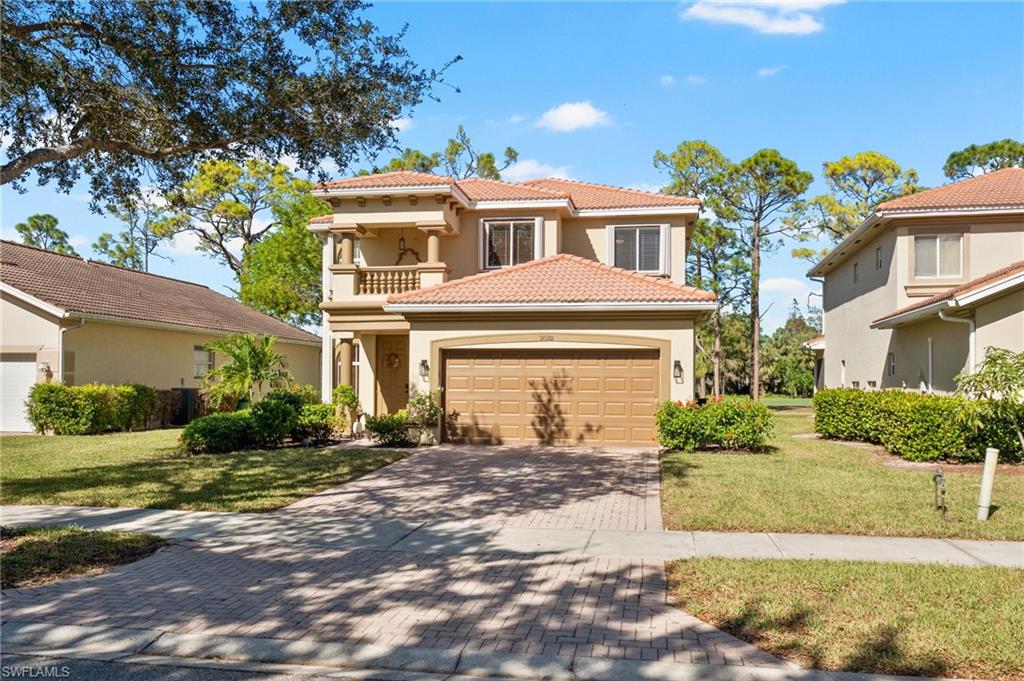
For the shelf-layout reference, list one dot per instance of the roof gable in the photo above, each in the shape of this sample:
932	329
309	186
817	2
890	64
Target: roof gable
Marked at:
556	279
87	287
589	196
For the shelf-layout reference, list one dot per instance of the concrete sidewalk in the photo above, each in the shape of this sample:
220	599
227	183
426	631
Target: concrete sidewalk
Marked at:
462	537
338	660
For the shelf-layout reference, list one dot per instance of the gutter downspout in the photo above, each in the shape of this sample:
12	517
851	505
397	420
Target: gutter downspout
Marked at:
970	336
60	348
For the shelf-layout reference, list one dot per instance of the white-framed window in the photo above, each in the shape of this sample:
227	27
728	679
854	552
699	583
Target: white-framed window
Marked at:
938	256
509	241
355	366
641	248
892	364
202	361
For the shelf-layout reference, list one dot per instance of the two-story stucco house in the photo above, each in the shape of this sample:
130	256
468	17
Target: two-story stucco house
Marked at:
548	311
920	290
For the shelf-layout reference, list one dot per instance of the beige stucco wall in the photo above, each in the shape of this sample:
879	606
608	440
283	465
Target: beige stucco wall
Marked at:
848	310
26	330
558	335
1000	324
119	353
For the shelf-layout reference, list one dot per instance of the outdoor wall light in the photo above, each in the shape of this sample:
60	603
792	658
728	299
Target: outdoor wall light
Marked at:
424	370
677	370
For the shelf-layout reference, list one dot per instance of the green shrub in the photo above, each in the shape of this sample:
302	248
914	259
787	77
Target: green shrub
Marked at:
273	420
345	396
316	422
292	398
92	408
57	407
219	432
915	426
391	430
729	423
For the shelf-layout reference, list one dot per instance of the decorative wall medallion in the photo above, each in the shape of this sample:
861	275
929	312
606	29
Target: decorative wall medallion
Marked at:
393	361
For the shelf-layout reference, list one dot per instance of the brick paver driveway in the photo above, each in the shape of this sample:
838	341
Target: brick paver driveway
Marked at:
523	487
493	602
490	601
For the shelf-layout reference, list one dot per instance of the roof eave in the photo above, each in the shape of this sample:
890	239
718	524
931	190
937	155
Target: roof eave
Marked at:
603	306
149	324
30	299
964	300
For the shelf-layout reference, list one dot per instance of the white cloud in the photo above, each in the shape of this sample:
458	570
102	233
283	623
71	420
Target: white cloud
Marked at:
79	240
402	124
529	169
516	119
183	243
694	79
769	71
668	81
573	116
779	17
785	285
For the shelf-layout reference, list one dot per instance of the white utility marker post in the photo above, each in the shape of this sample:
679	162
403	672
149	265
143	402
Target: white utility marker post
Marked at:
988	476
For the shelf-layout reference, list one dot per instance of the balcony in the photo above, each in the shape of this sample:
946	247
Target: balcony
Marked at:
387	280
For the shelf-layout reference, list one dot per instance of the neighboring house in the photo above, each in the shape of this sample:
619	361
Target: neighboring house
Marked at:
548	310
817	347
920	290
79	321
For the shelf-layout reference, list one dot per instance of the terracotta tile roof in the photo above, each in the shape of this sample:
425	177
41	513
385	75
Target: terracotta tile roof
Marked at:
1001	188
561	278
322	219
87	287
586	195
478	189
398	178
582	195
990	278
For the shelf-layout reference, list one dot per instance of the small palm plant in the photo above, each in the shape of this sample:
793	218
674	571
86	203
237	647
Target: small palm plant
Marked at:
252	365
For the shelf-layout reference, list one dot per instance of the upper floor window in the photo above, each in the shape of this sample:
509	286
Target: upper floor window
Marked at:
202	361
878	258
938	256
509	242
641	248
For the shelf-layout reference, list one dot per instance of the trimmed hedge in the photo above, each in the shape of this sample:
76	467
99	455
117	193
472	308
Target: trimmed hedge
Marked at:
390	430
90	409
728	423
219	432
915	426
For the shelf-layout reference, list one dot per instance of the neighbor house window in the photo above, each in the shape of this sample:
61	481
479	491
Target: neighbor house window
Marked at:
202	361
856	384
878	258
355	367
856	272
937	256
509	242
892	364
641	248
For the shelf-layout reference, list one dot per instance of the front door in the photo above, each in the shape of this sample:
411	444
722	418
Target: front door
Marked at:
392	373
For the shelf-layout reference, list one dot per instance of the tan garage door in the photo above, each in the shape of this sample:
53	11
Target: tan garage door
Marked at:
593	397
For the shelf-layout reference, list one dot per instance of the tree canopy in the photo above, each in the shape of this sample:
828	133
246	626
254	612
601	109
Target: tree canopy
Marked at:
856	185
228	207
42	231
978	159
113	89
460	159
137	242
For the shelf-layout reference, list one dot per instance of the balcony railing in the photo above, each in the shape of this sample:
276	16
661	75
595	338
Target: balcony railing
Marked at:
387	280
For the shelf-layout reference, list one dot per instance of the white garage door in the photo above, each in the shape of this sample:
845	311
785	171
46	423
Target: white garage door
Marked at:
17	376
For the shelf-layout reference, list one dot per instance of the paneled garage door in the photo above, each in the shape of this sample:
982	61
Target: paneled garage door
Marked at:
591	397
17	376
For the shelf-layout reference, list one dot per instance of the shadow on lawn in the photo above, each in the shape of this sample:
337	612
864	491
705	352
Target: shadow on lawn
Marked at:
788	634
244	481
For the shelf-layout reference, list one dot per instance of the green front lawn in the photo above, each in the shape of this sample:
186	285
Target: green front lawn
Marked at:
31	556
810	485
928	620
145	470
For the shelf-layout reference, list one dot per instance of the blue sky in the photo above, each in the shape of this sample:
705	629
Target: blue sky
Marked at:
591	91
